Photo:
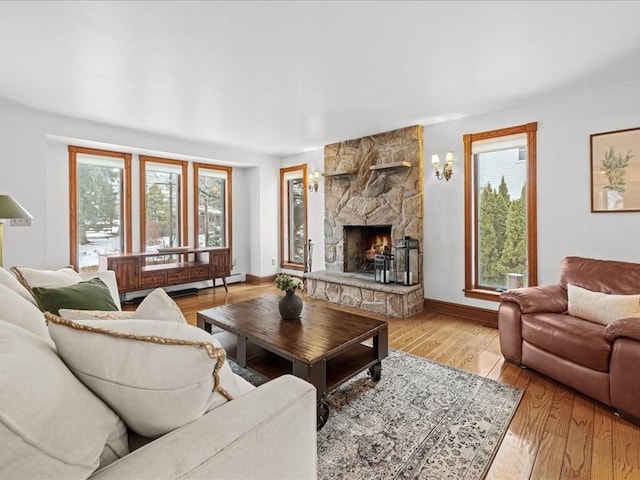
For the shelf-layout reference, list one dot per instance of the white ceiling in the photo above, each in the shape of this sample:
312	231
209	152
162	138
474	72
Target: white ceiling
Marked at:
284	77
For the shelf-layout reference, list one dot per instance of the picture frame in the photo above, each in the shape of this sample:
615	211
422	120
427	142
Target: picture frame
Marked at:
615	171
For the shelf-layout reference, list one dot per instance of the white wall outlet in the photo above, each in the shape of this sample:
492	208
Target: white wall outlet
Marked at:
235	262
20	222
273	261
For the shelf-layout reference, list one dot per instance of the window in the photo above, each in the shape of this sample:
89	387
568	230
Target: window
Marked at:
293	217
500	211
99	205
213	205
163	203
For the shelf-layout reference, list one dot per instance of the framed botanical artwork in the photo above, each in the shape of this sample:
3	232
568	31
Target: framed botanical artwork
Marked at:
615	171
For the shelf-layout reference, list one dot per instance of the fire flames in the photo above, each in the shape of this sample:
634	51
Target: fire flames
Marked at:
380	244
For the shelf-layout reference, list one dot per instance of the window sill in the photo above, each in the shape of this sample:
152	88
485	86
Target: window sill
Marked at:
292	266
483	294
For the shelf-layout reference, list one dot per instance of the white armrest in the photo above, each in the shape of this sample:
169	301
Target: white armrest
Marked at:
268	433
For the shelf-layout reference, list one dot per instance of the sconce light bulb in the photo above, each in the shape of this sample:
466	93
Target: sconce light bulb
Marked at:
449	158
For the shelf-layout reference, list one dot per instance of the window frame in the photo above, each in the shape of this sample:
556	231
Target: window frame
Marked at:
471	288
197	166
284	214
183	198
73	198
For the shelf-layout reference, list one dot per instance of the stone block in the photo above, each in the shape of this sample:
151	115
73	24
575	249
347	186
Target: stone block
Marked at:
351	296
375	307
334	292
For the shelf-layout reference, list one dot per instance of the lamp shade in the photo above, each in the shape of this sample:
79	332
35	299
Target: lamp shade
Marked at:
9	208
435	159
449	158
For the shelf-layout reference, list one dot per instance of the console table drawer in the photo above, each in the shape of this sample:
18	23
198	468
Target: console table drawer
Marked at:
200	273
178	276
153	279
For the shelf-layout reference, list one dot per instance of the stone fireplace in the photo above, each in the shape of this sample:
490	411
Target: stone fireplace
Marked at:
373	187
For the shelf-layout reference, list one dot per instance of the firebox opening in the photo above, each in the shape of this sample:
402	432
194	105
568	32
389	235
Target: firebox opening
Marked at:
362	243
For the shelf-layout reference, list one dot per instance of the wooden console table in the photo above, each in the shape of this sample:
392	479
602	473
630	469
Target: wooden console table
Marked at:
142	271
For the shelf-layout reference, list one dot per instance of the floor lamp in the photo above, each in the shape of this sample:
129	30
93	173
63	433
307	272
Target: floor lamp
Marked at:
9	209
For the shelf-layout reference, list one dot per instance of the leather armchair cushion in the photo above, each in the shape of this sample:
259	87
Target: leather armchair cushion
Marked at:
571	338
606	276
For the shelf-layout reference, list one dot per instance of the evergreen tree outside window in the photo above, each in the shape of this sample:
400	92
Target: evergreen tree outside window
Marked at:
213	197
163	203
296	220
500	216
99	205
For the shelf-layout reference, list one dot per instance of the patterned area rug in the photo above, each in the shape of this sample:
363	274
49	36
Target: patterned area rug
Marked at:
422	420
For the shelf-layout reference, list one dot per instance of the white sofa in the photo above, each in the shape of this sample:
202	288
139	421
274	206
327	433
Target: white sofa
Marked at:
268	432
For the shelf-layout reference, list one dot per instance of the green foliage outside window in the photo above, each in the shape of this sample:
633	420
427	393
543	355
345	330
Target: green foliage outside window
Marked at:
211	196
98	200
502	235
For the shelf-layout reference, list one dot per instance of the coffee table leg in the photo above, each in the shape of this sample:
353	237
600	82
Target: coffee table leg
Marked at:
241	351
375	372
322	414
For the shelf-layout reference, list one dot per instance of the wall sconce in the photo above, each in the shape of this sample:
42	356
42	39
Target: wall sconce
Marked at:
448	166
313	179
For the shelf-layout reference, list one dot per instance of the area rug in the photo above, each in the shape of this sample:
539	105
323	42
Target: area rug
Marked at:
422	420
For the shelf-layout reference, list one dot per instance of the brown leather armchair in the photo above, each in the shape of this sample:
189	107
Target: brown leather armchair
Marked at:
600	361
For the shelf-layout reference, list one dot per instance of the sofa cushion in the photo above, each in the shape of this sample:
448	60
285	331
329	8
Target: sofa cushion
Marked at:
73	314
159	306
33	277
156	375
600	307
9	280
85	295
17	310
51	426
109	278
571	338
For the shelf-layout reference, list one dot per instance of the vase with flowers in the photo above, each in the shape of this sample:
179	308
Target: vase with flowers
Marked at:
290	305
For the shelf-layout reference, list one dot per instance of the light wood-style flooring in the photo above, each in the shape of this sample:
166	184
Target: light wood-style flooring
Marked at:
556	432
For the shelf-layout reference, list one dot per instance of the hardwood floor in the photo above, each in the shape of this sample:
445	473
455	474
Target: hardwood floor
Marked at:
556	433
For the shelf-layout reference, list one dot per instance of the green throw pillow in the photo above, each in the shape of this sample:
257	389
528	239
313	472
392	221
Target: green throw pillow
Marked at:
87	295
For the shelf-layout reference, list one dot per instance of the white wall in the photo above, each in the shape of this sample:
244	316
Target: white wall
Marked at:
566	225
33	168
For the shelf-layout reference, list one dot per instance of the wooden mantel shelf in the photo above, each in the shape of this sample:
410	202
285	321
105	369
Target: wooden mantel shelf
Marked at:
385	166
340	174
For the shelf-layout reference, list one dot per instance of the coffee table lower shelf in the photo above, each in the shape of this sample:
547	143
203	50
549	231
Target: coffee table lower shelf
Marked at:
337	370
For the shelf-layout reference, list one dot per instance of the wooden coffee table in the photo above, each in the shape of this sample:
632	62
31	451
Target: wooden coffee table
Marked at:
324	347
